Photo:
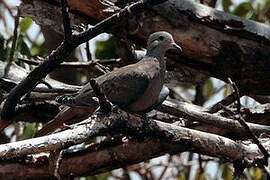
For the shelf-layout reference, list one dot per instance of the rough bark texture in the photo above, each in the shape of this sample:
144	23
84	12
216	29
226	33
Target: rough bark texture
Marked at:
172	139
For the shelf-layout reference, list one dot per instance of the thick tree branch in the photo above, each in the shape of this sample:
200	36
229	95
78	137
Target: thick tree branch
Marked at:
171	139
190	112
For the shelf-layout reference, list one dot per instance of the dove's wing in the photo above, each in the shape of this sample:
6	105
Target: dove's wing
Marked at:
122	87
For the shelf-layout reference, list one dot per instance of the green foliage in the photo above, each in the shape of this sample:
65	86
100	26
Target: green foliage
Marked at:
37	49
262	12
22	47
182	176
208	88
3	49
227	90
226	5
200	175
28	131
255	10
106	49
227	173
25	24
256	173
243	9
183	173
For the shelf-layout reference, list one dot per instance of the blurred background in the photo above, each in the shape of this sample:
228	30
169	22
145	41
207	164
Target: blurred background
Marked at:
34	41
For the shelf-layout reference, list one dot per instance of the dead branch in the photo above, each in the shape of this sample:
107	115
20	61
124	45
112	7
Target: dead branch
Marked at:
166	138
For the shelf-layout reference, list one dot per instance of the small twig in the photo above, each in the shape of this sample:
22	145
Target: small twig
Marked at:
46	84
165	169
267	171
66	20
6	6
239	167
55	90
243	123
57	164
224	102
55	159
14	42
254	138
237	94
77	64
201	170
105	105
88	53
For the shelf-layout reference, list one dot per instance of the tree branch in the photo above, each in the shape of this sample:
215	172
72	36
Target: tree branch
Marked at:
14	42
166	138
195	113
66	20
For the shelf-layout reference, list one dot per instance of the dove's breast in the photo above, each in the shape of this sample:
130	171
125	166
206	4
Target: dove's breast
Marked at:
151	94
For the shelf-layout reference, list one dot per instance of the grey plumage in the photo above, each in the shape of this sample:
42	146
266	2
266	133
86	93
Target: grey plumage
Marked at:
136	87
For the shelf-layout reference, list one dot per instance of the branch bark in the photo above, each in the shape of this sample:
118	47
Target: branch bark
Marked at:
166	138
225	126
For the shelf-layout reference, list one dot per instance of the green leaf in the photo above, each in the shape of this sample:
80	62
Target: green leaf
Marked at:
256	173
2	42
243	9
25	49
25	24
37	49
106	49
28	131
3	49
227	173
22	47
208	88
226	5
200	175
227	90
4	54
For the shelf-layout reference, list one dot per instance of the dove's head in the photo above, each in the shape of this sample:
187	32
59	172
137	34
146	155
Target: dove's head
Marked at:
159	42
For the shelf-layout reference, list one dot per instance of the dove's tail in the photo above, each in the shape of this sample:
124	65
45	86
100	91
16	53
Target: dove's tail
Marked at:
66	116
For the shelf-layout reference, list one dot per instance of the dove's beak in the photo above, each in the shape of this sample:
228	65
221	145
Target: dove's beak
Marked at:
176	47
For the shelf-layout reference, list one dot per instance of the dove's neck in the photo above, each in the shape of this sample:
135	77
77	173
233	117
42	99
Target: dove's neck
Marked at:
159	55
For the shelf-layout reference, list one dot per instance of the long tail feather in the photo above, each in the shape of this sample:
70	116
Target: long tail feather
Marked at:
68	115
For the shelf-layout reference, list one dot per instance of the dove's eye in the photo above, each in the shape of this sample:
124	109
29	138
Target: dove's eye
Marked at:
161	38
